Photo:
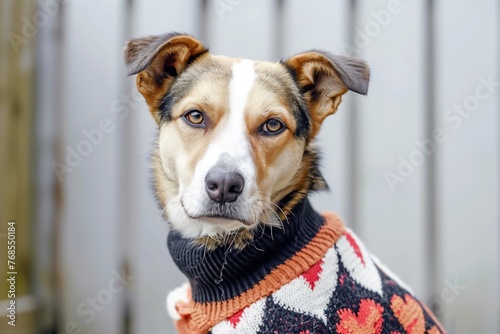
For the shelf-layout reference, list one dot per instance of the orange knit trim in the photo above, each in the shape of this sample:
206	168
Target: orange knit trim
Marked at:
198	318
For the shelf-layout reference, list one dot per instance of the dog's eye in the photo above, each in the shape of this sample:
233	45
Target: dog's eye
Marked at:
195	118
272	126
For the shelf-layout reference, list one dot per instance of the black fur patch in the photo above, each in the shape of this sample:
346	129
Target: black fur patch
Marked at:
279	84
303	121
166	107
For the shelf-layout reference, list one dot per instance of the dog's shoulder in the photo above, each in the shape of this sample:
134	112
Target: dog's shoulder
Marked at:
347	291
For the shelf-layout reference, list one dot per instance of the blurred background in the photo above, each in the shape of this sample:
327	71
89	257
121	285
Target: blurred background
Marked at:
413	167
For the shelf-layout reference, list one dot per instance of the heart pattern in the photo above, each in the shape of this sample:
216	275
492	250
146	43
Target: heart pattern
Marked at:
310	292
358	262
409	313
367	321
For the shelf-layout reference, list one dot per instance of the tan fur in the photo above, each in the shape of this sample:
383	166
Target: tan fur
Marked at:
211	97
262	106
238	239
324	99
303	182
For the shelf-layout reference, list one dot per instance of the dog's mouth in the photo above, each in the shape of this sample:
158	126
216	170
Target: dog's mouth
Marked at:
214	213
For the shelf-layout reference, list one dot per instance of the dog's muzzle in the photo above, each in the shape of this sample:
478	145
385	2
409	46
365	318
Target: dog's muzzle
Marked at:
222	186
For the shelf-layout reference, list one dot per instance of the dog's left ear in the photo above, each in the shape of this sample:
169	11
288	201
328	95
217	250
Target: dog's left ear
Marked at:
158	60
324	78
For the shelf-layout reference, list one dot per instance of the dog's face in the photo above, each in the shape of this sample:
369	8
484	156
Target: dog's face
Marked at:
235	135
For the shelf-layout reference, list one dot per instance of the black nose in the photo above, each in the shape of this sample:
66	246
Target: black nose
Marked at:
223	187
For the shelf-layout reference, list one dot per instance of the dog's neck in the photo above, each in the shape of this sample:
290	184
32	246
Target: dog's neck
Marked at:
225	272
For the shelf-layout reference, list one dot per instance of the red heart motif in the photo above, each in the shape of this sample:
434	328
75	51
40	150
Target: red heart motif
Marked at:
409	313
368	321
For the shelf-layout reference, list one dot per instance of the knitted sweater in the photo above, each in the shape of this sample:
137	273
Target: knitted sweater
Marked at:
312	276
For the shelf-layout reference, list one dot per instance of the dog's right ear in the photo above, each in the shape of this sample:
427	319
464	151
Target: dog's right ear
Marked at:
158	60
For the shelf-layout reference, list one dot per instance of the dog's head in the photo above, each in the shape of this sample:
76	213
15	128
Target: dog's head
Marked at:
235	136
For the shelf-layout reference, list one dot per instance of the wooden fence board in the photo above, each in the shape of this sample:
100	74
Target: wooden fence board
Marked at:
389	35
468	170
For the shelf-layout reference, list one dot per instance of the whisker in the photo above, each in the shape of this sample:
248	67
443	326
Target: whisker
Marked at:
269	203
140	156
161	214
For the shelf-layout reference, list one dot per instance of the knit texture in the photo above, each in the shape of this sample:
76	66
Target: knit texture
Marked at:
225	273
324	282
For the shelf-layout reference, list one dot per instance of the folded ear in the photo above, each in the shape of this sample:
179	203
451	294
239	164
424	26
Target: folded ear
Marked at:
158	60
324	78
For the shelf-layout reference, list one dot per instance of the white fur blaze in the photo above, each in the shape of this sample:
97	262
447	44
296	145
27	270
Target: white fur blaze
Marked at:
231	146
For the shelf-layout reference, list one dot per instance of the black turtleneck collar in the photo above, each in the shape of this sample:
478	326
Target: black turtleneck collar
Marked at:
225	273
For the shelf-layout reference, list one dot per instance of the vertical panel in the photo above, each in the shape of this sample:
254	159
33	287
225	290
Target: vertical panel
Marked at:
351	137
17	67
90	235
388	34
326	30
243	29
154	271
432	187
48	109
468	169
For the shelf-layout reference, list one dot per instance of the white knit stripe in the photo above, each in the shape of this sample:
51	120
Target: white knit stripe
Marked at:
299	297
249	322
365	274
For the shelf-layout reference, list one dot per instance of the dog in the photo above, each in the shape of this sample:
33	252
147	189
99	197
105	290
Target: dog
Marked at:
233	166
